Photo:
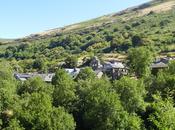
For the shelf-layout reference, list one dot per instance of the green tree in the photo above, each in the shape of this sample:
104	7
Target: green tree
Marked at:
71	62
164	84
7	94
171	68
116	43
10	51
139	61
137	40
23	47
14	124
35	84
36	113
163	115
64	89
5	71
103	111
132	93
8	97
86	74
8	101
101	108
39	64
61	120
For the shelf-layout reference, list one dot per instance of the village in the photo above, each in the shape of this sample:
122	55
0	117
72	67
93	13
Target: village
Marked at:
113	69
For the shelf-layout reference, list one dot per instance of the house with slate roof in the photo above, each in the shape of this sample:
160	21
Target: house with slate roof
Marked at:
115	69
44	77
159	65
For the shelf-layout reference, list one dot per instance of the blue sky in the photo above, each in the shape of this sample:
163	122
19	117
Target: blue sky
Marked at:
23	17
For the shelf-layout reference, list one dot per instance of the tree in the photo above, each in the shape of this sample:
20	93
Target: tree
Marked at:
8	101
116	43
86	74
139	61
8	97
171	68
71	62
101	109
36	112
164	22
131	93
7	94
128	27
137	40
64	89
163	115
14	124
61	120
164	84
135	24
23	47
35	84
5	72
7	87
10	51
39	64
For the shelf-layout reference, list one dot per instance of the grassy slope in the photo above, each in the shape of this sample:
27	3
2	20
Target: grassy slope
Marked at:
137	11
150	28
5	40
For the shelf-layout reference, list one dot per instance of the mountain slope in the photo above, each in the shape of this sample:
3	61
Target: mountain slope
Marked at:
110	37
156	6
5	40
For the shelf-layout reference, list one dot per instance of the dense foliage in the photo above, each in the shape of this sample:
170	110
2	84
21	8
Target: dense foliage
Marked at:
138	101
87	102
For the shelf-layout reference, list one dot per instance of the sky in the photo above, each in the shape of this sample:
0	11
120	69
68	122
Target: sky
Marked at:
20	18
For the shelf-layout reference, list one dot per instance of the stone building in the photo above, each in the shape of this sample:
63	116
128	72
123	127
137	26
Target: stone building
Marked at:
95	63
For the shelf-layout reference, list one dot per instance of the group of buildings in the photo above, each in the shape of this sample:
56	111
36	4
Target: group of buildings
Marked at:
113	69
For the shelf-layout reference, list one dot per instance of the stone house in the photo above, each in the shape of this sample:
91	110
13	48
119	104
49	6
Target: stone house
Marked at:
115	69
95	63
159	65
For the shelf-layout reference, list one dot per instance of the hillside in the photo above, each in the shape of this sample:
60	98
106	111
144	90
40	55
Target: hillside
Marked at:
115	72
3	41
156	6
109	37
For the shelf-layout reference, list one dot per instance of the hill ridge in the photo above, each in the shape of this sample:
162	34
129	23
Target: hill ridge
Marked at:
140	10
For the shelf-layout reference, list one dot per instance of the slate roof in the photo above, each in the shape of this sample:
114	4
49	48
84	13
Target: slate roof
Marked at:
45	77
73	72
115	65
22	77
159	65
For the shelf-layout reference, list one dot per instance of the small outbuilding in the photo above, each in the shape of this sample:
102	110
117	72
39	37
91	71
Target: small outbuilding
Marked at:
73	72
44	77
158	65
